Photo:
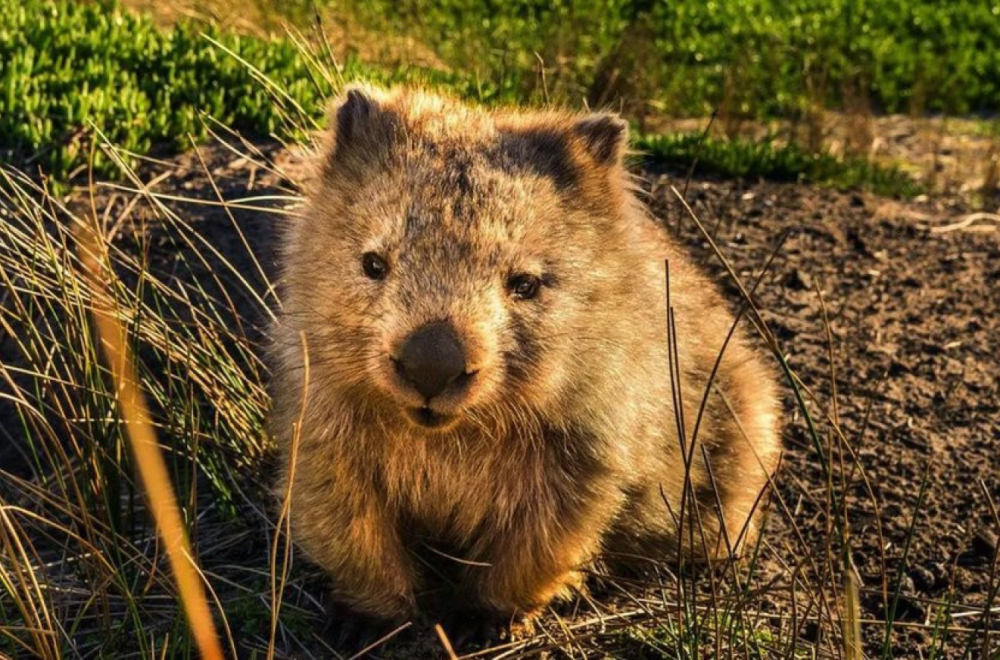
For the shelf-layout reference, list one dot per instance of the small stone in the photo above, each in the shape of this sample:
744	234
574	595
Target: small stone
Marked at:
923	579
984	543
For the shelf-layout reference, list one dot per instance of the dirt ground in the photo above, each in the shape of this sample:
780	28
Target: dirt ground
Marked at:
915	320
911	295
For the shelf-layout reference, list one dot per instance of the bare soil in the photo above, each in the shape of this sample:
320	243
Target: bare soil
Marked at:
914	315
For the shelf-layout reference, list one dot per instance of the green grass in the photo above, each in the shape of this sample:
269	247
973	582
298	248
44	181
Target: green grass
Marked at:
778	162
756	58
65	65
669	640
69	69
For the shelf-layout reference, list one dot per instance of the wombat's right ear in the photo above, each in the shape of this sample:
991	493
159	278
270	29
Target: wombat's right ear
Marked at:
604	136
363	127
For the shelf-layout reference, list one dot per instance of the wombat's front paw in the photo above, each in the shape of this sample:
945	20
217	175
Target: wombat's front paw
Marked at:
475	627
352	632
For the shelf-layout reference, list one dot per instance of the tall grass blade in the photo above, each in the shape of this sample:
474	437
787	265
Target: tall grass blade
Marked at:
150	462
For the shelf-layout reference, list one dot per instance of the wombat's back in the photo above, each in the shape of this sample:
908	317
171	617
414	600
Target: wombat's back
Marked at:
695	404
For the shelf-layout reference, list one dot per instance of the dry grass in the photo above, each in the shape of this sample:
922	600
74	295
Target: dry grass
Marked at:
146	451
85	555
266	18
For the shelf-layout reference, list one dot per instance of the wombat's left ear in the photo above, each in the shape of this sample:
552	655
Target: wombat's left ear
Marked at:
364	128
604	137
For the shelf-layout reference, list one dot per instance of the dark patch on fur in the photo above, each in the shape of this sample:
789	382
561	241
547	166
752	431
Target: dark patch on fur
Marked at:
462	177
461	209
429	147
437	556
413	223
706	497
514	368
576	454
592	298
464	185
526	353
545	152
354	115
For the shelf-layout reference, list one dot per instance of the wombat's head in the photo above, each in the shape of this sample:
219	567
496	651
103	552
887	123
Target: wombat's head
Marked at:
454	262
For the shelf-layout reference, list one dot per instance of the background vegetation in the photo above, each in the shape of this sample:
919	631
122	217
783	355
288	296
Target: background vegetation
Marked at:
759	58
66	66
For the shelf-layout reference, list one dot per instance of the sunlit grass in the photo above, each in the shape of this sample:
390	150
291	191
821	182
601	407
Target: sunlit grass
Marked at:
74	70
145	450
87	523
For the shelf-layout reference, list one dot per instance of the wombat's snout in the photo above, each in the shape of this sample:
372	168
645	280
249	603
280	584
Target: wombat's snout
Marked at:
432	360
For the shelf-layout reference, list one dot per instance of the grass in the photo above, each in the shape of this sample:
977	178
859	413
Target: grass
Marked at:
86	524
70	69
664	641
754	58
152	469
67	66
738	158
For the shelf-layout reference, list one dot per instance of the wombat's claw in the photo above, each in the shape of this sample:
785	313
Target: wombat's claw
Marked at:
474	628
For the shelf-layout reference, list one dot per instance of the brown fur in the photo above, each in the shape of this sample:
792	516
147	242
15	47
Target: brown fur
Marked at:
566	445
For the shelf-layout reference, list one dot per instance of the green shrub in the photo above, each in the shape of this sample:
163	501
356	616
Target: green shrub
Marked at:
757	58
64	64
767	160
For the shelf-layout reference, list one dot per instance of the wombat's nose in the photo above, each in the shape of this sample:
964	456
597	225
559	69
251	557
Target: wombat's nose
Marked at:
431	359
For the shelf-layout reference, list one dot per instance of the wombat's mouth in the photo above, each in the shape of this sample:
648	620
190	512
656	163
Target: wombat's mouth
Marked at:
429	418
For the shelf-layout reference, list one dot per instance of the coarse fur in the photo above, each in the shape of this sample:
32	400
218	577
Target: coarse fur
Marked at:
565	446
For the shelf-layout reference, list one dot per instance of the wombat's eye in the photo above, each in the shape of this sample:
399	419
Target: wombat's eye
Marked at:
523	286
375	267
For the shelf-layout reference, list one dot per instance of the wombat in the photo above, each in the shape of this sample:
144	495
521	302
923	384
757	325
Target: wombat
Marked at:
472	368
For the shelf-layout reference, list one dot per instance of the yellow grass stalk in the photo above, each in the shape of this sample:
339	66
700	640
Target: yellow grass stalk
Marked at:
853	644
152	467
